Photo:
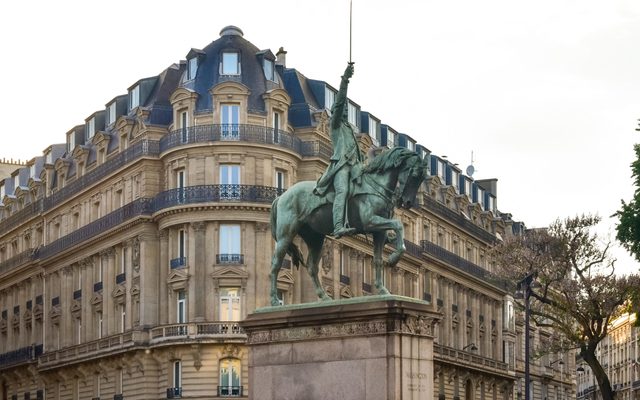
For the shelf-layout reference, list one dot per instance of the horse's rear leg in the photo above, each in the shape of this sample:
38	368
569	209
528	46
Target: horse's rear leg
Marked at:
276	262
314	243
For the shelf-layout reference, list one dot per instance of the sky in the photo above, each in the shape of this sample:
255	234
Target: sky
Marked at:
544	94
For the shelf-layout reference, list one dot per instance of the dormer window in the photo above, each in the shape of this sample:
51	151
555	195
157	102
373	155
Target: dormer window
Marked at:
329	98
16	182
441	169
352	114
91	128
48	158
410	145
230	63
2	193
373	131
455	180
468	188
491	206
192	68
32	171
111	113
134	97
71	142
269	70
391	138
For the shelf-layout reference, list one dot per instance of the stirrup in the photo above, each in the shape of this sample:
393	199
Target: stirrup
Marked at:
340	232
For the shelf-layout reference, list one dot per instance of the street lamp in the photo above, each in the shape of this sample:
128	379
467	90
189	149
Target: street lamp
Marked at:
524	290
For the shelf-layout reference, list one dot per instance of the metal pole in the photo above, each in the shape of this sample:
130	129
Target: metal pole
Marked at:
527	289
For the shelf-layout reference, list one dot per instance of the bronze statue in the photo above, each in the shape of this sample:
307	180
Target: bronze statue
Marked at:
346	159
391	179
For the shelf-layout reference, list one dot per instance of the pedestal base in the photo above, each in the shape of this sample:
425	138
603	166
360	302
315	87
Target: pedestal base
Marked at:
374	347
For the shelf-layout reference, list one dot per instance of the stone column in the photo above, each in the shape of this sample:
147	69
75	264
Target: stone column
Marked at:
128	273
88	326
161	287
262	269
198	298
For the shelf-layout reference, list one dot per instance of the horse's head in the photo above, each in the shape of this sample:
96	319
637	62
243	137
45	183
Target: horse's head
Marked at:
409	180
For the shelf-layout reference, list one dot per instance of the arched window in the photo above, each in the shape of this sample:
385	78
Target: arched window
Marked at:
230	385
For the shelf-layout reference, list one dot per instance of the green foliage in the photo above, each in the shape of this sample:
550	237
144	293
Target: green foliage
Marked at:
628	229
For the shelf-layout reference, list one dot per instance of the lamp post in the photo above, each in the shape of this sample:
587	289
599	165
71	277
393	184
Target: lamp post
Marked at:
524	288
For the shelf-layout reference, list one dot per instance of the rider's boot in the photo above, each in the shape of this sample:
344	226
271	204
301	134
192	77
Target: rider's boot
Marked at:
339	229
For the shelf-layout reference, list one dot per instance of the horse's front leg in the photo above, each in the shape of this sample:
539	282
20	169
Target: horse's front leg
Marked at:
378	223
276	263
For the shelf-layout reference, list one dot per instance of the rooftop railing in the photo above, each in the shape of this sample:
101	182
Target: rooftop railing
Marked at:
438	208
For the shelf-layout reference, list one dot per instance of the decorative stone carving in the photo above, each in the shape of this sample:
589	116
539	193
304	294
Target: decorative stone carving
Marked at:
327	256
314	332
136	254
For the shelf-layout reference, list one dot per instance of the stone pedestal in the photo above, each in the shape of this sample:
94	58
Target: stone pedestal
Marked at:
374	347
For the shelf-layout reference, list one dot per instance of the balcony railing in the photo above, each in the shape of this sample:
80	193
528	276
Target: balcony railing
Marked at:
229	258
456	261
19	356
433	205
344	279
118	396
230	132
444	353
178	262
97	286
229	391
121	278
215	193
77	294
366	287
174	392
21	216
16	261
199	330
107	344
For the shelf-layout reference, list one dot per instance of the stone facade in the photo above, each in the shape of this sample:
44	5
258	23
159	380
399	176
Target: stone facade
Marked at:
129	253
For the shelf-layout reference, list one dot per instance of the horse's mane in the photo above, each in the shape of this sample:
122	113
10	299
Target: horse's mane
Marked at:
389	159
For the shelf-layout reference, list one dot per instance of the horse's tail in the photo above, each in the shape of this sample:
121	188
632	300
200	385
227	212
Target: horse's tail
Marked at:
293	250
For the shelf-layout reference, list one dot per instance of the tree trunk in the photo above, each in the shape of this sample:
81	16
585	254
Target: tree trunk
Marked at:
588	354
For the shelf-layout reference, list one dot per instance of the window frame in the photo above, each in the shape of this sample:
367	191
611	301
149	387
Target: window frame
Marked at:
226	64
228	301
192	68
134	97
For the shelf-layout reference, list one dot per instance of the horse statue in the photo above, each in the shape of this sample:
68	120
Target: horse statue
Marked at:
390	179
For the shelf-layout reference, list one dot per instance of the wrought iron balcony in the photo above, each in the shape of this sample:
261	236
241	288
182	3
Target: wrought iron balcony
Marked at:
215	193
17	260
174	392
121	278
229	258
426	297
366	287
77	294
118	396
344	279
456	261
97	286
55	301
178	262
19	356
230	133
229	391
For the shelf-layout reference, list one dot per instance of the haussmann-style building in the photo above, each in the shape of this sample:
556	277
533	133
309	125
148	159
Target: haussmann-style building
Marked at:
130	250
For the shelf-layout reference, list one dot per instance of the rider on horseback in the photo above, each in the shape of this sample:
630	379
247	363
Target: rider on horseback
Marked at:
346	157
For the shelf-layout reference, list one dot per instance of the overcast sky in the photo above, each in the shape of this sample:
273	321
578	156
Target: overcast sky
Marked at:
546	94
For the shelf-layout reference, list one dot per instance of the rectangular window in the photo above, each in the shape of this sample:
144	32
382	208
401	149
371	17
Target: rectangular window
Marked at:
373	131
230	304
91	128
352	114
441	170
230	181
32	171
410	145
468	185
280	180
229	241
49	158
180	185
193	68
71	142
269	72
229	120
177	374
276	127
455	180
230	63
329	98
2	193
123	263
99	324
123	317
111	113
391	138
78	331
182	243
134	97
181	309
184	124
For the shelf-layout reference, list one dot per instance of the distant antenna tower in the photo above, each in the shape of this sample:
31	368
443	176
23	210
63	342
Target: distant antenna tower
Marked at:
471	169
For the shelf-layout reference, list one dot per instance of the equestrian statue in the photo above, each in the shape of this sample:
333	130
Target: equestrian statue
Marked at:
349	198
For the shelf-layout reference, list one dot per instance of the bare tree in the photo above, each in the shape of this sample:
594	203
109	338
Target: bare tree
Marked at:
578	291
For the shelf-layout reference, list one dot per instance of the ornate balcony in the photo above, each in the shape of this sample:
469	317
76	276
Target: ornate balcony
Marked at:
459	357
178	262
198	331
230	391
174	392
229	258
